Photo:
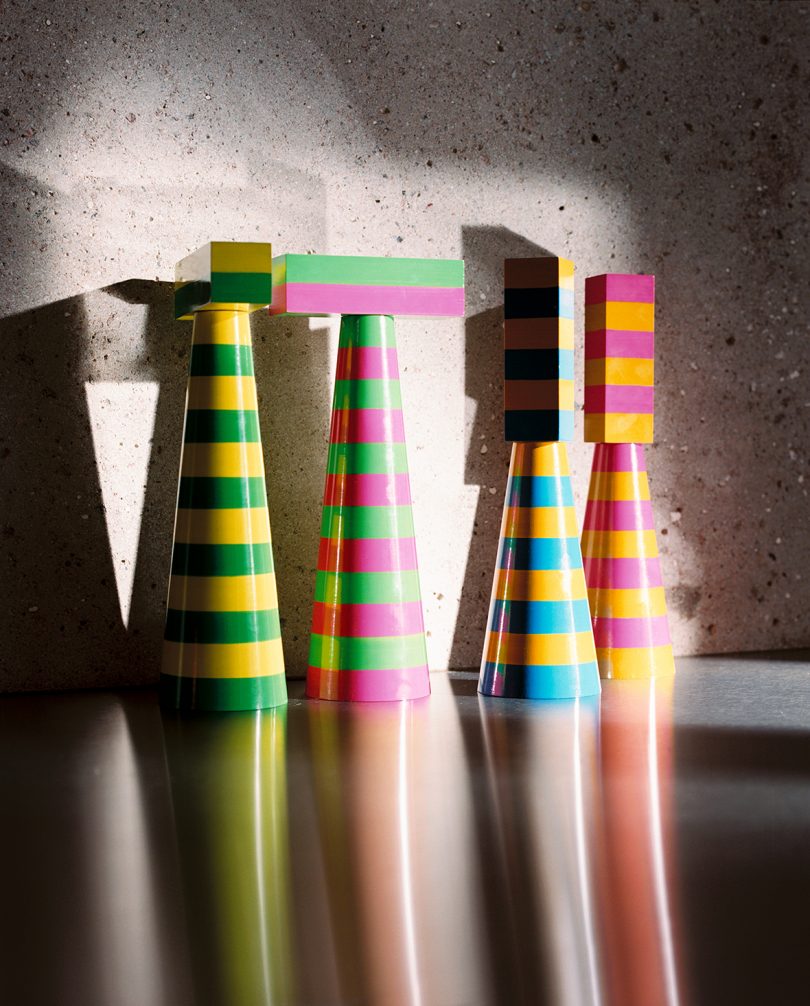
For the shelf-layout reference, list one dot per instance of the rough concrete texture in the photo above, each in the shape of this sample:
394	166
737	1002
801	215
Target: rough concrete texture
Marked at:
649	136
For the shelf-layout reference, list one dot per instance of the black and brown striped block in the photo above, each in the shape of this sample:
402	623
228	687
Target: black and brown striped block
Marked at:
538	310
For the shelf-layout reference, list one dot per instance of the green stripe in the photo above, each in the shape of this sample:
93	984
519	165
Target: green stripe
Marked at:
208	493
368	271
191	296
377	653
367	459
215	360
367	394
241	288
221	560
222	694
367	330
367	588
367	522
222	626
222	426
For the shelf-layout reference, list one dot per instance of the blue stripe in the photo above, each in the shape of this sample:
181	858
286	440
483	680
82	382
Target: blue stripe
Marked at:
555	681
539	490
567	304
566	424
540	617
540	553
566	365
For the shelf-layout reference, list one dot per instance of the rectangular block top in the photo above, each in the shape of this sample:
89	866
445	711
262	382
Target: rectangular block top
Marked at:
538	308
224	272
619	352
316	285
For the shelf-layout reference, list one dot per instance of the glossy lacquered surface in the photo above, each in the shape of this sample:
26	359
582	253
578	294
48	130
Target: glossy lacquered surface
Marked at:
647	847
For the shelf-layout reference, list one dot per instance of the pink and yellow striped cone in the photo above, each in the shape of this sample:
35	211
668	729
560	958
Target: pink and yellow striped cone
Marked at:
368	638
540	643
622	568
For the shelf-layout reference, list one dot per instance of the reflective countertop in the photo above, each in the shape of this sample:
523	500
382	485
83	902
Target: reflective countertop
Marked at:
651	847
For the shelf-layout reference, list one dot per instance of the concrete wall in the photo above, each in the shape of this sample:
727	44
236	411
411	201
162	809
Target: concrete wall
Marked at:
657	136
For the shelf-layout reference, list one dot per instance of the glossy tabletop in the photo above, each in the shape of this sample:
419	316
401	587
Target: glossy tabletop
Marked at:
649	847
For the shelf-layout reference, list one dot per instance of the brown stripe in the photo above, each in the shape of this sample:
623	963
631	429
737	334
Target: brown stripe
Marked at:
531	395
531	333
531	273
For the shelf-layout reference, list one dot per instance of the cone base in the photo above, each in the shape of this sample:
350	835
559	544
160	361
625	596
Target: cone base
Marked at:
514	681
636	663
368	686
222	694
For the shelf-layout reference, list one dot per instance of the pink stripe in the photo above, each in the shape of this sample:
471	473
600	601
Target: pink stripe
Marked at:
618	515
404	619
618	632
367	426
619	286
340	298
618	398
366	555
360	362
614	344
610	573
619	458
372	686
367	490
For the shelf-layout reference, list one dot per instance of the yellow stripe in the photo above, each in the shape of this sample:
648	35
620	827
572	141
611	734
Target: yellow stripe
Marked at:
557	648
619	370
619	486
223	527
566	393
566	273
223	660
619	544
627	602
621	316
222	460
539	459
223	593
222	326
222	393
241	256
540	585
618	428
539	522
566	330
636	662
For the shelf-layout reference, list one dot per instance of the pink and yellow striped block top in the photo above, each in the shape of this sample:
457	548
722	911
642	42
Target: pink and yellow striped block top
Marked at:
313	285
619	358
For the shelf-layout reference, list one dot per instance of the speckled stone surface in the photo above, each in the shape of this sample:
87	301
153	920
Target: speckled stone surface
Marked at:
651	137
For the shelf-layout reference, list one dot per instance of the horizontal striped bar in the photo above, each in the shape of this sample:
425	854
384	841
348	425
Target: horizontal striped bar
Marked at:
619	544
367	588
539	553
222	626
202	493
533	425
538	272
370	426
241	526
619	398
539	491
636	662
625	457
633	485
367	619
252	289
627	287
536	617
367	459
618	428
367	522
622	573
541	649
221	560
224	660
210	426
540	584
367	555
621	632
619	515
222	461
401	301
368	270
539	460
369	686
631	602
222	393
539	522
538	302
538	333
625	371
222	694
362	363
538	364
368	490
377	393
223	593
555	681
345	653
619	345
217	360
620	315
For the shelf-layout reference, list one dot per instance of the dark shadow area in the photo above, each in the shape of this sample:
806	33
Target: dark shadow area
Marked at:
722	752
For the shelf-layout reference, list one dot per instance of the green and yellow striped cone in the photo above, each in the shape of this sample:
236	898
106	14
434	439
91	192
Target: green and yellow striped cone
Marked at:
222	644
